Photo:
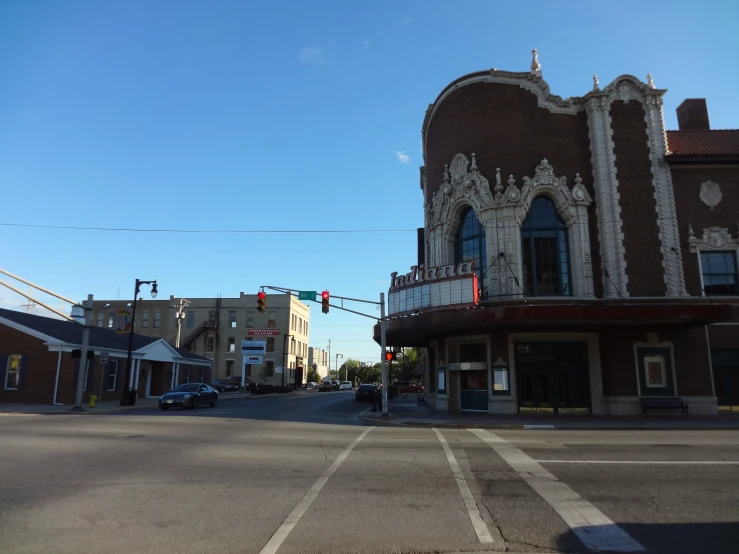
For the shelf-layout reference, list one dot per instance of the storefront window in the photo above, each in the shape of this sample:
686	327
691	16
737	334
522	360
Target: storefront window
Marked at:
441	378
501	376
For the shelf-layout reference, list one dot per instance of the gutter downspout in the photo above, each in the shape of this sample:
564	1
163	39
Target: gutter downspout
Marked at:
56	383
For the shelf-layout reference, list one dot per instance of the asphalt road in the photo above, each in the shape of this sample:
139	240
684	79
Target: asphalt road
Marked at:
303	474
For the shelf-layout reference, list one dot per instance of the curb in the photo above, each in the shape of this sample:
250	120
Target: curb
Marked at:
386	422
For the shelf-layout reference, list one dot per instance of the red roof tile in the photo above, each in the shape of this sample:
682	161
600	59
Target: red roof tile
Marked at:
721	142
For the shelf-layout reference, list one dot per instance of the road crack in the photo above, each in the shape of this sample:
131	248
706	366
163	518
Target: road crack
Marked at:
320	443
506	542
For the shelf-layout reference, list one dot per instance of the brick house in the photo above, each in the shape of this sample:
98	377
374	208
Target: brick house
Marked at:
575	256
37	364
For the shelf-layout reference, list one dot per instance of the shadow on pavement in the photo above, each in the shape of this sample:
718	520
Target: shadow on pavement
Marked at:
665	538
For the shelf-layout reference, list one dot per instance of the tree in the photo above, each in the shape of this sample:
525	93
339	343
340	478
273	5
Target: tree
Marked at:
312	375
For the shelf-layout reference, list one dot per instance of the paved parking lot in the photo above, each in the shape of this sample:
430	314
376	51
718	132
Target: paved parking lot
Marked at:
255	479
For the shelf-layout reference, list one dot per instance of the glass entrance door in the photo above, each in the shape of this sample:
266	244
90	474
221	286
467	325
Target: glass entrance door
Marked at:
473	390
552	377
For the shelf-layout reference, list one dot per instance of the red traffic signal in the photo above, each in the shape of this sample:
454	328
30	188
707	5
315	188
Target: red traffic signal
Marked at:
389	356
261	301
324	301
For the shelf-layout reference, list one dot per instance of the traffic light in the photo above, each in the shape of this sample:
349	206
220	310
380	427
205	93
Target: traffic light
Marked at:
389	356
324	301
261	301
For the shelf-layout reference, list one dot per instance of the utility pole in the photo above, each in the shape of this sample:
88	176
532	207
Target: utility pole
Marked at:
179	315
84	362
383	346
329	359
337	365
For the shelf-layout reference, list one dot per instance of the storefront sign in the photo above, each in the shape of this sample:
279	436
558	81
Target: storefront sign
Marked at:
263	332
253	360
253	347
419	274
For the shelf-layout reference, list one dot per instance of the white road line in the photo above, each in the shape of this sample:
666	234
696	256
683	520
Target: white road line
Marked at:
292	519
483	535
591	526
639	462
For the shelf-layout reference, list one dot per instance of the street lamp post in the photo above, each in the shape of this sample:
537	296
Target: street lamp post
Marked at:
126	396
338	376
284	355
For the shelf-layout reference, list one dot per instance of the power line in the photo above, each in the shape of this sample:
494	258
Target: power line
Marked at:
206	231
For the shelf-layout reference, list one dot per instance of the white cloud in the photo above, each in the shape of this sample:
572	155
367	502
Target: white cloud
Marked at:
402	156
366	44
312	55
403	20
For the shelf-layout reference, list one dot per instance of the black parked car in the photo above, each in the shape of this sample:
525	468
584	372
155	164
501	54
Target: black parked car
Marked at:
365	392
189	395
224	386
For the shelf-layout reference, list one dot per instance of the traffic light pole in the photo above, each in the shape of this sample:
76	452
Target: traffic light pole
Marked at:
383	338
383	346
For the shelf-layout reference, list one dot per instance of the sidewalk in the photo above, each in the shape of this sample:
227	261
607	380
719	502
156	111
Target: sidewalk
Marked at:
112	406
405	412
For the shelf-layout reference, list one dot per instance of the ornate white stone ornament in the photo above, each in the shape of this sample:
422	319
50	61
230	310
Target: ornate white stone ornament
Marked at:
501	213
711	194
535	65
596	83
650	81
714	238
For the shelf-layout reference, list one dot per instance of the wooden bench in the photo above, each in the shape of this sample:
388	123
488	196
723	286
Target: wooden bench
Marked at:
421	398
662	404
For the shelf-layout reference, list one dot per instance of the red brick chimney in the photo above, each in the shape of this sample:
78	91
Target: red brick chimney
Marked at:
692	115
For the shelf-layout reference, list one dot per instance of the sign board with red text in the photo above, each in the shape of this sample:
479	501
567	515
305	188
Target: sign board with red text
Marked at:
263	332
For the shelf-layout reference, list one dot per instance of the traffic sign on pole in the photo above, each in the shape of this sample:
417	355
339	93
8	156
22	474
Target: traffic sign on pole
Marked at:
307	295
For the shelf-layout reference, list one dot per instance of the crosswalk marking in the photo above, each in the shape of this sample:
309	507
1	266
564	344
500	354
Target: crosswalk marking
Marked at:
481	530
293	517
592	527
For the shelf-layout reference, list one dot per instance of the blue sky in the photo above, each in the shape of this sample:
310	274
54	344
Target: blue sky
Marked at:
281	116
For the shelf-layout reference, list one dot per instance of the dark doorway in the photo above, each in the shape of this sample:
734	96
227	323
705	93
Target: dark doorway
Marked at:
299	377
725	364
552	377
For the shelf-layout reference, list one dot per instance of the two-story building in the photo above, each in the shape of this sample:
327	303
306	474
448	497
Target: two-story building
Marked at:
575	255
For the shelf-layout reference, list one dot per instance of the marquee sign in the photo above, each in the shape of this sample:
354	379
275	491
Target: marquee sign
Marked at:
434	288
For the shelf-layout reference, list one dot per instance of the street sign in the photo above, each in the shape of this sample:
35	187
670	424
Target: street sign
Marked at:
307	295
103	357
263	332
253	360
253	347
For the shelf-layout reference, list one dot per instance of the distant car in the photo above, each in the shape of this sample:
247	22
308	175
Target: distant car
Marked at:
407	387
392	391
336	384
346	385
365	392
189	395
223	385
326	386
310	385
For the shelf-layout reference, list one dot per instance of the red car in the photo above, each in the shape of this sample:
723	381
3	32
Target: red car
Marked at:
405	387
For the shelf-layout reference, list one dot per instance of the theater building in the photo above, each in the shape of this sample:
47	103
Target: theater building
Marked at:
575	255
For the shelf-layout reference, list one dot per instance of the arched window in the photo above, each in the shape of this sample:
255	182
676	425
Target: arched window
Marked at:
470	245
546	260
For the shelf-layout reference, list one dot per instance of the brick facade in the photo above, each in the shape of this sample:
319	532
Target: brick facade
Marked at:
638	206
692	211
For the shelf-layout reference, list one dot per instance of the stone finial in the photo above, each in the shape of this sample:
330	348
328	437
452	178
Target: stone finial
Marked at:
596	83
446	173
691	233
650	81
578	179
473	167
498	182
511	180
535	65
